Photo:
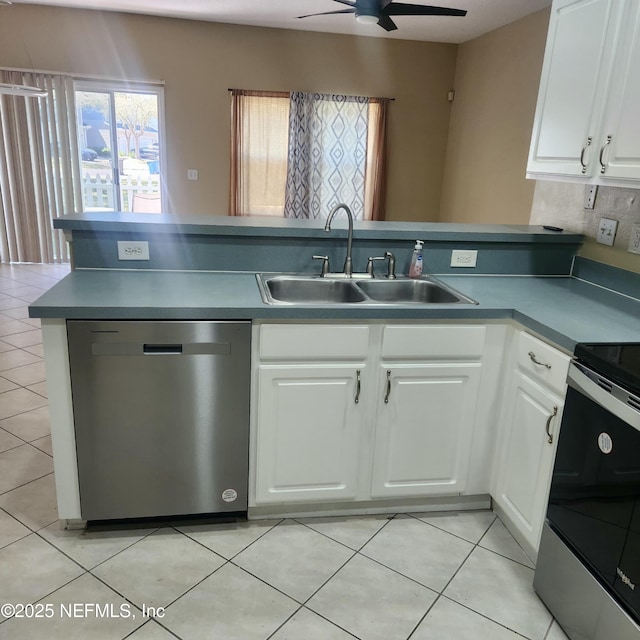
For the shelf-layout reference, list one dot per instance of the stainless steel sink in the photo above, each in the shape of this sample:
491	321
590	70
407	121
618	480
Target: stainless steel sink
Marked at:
309	290
411	291
313	290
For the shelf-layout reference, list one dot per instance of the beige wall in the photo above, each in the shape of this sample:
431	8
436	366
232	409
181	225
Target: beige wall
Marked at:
496	83
199	61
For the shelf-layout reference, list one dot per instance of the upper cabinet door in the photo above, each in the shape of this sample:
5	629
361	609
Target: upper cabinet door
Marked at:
574	86
621	157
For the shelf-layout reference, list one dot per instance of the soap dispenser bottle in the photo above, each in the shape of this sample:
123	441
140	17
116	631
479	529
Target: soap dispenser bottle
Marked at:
415	268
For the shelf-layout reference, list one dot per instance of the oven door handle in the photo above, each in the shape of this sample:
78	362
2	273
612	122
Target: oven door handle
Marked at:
552	415
580	380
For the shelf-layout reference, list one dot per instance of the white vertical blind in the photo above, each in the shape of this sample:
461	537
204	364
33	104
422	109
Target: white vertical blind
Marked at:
39	168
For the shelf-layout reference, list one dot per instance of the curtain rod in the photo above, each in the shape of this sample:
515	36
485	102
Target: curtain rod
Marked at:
81	76
288	92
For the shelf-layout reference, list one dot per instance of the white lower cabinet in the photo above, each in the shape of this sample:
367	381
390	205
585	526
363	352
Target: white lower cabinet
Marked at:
310	430
375	412
532	411
391	417
424	429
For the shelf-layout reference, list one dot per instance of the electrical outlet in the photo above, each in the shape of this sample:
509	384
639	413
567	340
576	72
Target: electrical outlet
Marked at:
128	250
463	258
590	193
192	174
607	231
634	240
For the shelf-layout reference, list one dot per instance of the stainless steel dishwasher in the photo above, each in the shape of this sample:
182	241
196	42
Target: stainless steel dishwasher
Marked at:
161	415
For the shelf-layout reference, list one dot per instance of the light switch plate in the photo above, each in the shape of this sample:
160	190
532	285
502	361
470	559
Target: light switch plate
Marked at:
607	231
466	258
133	250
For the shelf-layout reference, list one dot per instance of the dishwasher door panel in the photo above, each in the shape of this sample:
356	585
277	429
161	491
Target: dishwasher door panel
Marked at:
161	417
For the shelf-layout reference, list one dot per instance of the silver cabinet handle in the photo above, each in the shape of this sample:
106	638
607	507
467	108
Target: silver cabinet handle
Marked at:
603	166
388	392
548	427
584	150
357	398
536	361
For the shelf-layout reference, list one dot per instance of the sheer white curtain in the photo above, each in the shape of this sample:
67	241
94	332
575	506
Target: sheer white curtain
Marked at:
259	137
39	168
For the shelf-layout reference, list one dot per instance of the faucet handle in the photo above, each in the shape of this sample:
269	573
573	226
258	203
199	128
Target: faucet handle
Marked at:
370	264
325	265
391	272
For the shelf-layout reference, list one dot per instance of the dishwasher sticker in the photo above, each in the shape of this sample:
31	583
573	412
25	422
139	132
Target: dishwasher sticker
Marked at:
229	495
605	443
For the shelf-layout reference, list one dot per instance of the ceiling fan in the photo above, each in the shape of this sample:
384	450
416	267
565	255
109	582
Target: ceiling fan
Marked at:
380	11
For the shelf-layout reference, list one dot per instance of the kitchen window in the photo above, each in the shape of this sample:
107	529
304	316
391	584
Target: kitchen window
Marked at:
298	154
120	139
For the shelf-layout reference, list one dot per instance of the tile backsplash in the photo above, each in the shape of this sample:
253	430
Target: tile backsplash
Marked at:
562	204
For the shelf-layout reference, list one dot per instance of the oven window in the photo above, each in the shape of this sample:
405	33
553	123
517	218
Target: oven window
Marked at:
595	485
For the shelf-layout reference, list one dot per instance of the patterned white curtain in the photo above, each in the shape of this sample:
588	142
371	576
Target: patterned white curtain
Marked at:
327	154
39	168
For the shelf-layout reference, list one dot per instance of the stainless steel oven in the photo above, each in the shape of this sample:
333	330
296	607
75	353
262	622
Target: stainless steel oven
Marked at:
588	570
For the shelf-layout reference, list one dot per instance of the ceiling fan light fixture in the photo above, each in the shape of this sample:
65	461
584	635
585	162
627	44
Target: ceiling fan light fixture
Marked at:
366	18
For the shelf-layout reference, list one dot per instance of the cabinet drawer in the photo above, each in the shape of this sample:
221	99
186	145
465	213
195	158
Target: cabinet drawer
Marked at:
434	341
553	367
294	341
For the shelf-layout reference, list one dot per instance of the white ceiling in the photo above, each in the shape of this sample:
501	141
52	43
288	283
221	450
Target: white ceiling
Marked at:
482	16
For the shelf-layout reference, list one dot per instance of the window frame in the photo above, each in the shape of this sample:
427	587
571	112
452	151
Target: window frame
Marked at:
112	87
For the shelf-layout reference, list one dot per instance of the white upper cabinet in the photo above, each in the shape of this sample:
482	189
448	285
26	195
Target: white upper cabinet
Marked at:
622	127
585	126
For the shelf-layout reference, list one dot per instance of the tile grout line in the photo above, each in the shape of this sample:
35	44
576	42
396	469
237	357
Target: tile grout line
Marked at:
24	484
239	552
502	555
388	519
441	594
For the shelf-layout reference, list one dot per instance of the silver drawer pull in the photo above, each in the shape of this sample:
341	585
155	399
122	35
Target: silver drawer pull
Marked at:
583	164
357	398
548	427
388	393
536	361
607	142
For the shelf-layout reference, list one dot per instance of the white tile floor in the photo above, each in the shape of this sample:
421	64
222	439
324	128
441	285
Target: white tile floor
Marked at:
426	577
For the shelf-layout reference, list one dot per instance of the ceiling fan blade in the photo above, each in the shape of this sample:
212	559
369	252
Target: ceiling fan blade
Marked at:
402	9
387	23
328	13
348	2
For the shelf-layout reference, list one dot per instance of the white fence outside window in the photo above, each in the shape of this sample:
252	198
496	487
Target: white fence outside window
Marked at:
98	192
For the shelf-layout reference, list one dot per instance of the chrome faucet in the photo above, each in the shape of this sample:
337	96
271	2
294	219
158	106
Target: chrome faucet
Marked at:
348	264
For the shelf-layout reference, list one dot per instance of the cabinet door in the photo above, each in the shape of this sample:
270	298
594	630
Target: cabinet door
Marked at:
574	87
424	430
526	459
621	130
308	433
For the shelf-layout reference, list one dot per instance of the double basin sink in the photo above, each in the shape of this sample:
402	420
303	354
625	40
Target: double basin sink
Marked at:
306	289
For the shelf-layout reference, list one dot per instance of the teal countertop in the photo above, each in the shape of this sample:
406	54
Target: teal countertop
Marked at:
565	310
266	227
